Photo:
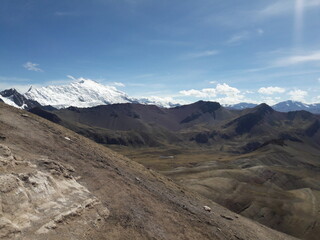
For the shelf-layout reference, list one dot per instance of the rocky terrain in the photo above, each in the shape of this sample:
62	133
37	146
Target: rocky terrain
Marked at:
56	184
257	162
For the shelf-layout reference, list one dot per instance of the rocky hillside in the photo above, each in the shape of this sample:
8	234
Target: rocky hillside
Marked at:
257	162
56	184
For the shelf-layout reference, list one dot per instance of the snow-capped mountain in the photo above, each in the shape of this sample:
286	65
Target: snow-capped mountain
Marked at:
296	106
82	93
285	106
162	102
240	106
14	98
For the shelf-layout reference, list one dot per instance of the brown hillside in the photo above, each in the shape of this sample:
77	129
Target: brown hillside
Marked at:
56	184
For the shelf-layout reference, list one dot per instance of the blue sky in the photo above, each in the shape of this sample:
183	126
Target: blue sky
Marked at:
184	50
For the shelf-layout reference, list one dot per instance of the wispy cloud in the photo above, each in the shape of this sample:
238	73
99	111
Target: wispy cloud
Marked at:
118	84
163	42
243	36
237	38
285	7
207	53
276	8
271	90
32	67
66	13
298	59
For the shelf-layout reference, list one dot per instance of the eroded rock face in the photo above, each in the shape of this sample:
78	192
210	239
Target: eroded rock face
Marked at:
40	196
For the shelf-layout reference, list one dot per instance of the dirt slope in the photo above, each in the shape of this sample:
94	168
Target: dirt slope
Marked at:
130	201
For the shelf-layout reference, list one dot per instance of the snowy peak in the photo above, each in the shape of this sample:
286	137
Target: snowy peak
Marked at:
242	105
285	106
296	106
158	101
14	98
88	93
82	93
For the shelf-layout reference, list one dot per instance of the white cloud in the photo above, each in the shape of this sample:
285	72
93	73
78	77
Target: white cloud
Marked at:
206	53
298	95
197	93
269	100
249	92
164	101
316	99
118	84
222	93
271	90
225	89
298	59
32	67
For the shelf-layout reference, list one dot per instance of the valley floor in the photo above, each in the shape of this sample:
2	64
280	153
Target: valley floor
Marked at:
278	186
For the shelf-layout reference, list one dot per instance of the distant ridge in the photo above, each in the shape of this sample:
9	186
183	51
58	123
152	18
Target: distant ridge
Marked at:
290	105
285	106
85	93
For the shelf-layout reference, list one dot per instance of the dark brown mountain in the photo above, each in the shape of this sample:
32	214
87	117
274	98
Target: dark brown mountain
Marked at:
137	124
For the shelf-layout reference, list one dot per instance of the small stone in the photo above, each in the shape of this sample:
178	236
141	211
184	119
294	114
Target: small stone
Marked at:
206	208
227	217
138	179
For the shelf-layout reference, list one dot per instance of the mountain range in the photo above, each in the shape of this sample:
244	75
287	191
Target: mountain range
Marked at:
258	162
285	106
56	184
88	93
81	93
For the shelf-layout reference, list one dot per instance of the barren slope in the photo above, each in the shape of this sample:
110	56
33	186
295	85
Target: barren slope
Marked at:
128	201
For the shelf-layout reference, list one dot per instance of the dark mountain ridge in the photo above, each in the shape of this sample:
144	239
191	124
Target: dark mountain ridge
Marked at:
202	122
